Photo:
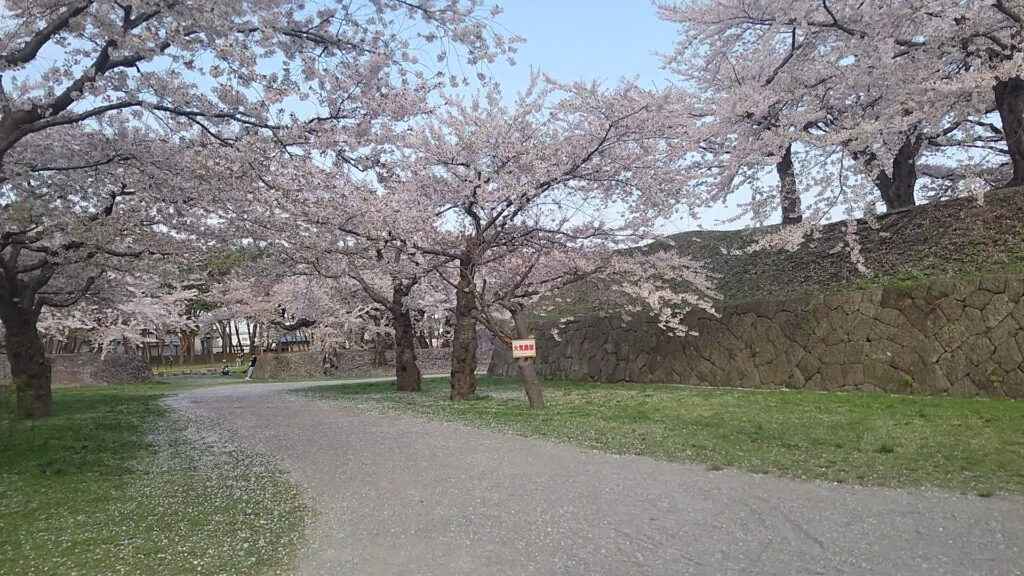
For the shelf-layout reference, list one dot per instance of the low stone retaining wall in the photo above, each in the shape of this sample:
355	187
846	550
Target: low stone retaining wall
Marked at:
73	370
955	336
70	370
352	363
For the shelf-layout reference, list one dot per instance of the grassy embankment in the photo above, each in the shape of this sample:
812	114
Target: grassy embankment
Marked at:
960	444
115	483
941	239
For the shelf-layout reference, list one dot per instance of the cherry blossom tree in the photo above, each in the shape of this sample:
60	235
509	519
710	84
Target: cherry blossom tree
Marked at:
879	81
275	301
205	63
295	73
127	309
987	48
327	219
735	133
387	274
570	161
92	203
510	282
392	277
520	283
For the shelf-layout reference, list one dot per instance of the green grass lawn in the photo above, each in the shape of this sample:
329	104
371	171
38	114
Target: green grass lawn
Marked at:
115	483
960	444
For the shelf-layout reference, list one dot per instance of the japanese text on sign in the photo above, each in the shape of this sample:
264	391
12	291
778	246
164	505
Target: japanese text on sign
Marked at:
524	348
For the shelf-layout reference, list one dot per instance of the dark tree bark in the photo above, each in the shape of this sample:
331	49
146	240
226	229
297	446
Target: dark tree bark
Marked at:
464	335
897	186
226	341
407	373
30	369
531	383
527	366
408	377
792	212
1010	103
20	306
184	347
238	335
296	326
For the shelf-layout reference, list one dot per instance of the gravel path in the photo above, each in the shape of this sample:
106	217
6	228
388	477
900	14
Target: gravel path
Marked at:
399	495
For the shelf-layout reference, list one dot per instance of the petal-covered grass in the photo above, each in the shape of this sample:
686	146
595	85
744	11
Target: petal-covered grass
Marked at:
116	483
966	445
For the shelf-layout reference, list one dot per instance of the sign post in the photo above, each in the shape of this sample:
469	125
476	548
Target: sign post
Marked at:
524	348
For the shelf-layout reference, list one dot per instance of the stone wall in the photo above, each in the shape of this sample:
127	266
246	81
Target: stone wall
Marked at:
956	336
353	363
72	370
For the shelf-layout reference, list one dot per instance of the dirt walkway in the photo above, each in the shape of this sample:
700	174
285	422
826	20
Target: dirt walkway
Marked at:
399	495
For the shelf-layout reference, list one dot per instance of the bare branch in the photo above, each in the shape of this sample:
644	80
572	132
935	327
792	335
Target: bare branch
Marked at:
31	48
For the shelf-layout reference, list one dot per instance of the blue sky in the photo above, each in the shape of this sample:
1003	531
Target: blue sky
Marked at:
574	39
594	39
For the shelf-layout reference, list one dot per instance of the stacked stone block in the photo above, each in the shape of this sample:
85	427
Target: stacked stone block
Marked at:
958	336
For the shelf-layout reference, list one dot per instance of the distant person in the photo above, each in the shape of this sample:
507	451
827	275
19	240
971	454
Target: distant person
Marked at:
252	366
225	370
238	361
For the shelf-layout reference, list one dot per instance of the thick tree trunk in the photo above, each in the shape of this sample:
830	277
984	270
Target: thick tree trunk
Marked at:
527	366
30	369
187	342
1010	103
227	339
407	373
897	187
792	212
531	383
464	336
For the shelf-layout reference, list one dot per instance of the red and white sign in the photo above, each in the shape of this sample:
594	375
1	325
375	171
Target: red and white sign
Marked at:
524	348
